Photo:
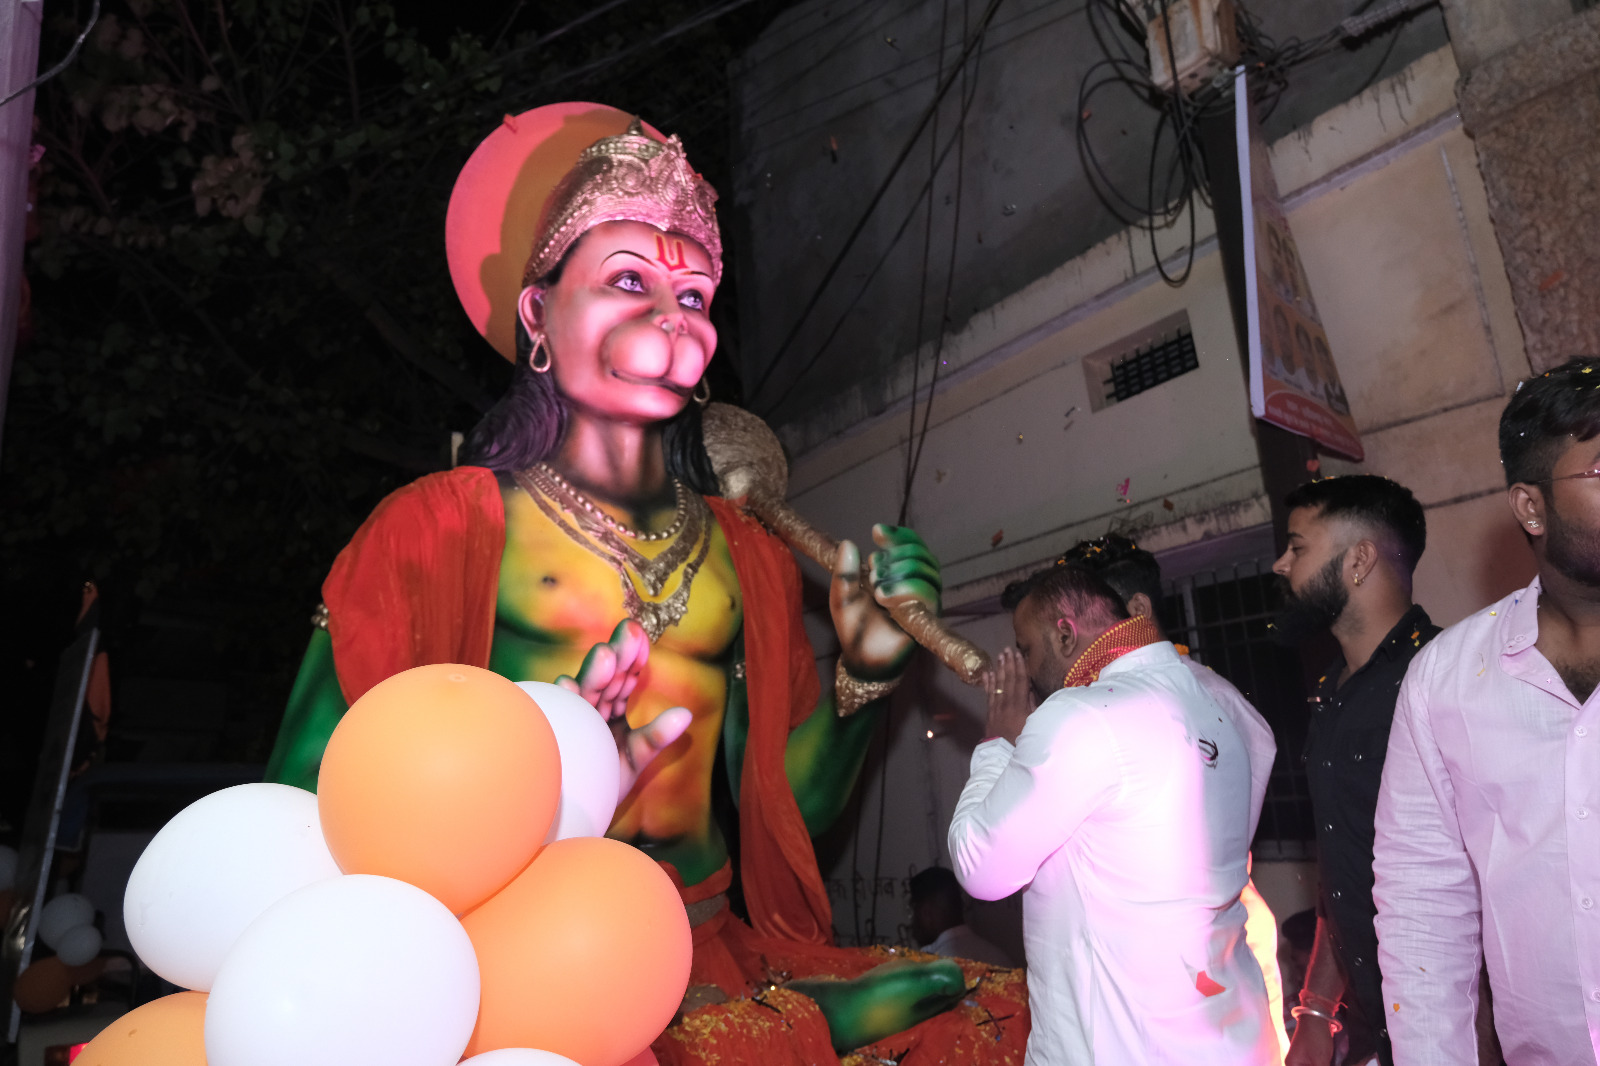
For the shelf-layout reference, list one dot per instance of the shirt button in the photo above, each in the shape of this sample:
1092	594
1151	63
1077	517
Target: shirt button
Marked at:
1583	812
1360	961
1582	730
1327	762
1358	756
1329	827
1586	903
1337	894
1595	995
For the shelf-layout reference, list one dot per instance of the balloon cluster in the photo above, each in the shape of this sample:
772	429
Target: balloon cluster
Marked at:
66	924
444	894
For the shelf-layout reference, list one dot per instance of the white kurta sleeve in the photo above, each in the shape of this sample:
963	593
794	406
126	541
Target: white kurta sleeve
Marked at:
1426	895
1022	803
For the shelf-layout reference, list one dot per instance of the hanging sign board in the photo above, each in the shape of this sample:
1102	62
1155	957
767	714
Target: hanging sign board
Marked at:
1293	382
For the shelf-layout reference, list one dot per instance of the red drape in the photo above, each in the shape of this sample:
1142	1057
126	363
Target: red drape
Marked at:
417	585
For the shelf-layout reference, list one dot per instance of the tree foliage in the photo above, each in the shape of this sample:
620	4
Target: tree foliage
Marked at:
244	329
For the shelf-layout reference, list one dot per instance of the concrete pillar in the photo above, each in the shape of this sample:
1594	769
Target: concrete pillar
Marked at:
1533	109
19	64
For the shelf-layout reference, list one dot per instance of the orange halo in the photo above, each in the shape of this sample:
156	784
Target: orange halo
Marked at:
499	197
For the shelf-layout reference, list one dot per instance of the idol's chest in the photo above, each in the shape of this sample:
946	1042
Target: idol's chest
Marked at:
560	585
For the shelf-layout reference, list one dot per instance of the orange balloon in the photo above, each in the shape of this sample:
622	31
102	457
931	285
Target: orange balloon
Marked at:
585	954
170	1031
42	986
446	777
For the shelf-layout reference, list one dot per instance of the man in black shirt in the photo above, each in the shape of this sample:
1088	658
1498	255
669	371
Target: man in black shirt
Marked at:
1354	543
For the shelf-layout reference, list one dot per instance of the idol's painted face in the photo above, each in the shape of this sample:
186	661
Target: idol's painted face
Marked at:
627	325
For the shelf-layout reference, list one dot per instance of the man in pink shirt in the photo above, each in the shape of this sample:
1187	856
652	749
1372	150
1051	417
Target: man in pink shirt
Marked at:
1488	821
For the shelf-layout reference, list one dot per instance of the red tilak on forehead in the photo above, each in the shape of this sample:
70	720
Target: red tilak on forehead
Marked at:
676	262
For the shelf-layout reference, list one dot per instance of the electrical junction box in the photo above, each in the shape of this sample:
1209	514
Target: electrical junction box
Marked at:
1203	43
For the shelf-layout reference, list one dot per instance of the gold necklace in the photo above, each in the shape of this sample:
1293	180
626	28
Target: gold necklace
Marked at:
696	533
652	572
570	490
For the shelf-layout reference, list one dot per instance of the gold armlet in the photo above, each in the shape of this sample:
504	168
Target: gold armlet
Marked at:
850	694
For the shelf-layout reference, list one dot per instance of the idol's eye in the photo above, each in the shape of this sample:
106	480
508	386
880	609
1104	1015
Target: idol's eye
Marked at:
692	299
628	281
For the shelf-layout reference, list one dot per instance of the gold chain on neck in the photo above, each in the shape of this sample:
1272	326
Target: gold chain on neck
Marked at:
694	531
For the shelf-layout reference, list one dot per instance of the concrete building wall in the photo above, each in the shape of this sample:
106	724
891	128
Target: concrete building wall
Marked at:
828	98
1390	214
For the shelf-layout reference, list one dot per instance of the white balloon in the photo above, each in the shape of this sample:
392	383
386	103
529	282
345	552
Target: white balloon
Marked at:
213	869
518	1056
78	945
355	969
67	911
589	769
8	868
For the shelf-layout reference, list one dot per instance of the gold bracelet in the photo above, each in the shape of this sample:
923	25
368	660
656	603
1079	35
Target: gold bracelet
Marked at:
850	694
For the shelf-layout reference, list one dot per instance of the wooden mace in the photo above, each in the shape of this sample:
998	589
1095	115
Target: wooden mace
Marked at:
749	463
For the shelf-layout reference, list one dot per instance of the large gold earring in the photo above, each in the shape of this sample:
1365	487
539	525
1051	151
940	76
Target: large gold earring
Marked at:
702	392
538	350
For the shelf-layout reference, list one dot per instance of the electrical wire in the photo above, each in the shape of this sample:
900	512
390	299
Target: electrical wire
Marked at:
94	16
866	215
949	288
922	287
1167	200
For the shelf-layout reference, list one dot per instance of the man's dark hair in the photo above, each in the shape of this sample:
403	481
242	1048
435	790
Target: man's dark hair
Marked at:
1068	590
1113	558
1545	415
1373	500
936	884
1017	591
1300	929
1120	563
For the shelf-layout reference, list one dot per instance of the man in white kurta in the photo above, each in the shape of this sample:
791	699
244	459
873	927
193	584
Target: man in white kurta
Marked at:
1122	809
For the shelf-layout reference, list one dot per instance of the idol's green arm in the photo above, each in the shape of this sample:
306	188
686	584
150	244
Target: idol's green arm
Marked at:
315	706
822	760
825	752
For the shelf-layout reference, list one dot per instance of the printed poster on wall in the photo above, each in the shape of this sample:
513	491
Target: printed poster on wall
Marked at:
1293	381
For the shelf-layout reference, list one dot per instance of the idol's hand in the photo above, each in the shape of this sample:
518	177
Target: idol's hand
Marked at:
873	647
607	678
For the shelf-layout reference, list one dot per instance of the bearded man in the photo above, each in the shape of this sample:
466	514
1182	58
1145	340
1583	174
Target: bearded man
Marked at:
1488	823
1353	545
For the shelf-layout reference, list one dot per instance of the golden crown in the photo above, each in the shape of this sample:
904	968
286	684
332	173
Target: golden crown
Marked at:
632	177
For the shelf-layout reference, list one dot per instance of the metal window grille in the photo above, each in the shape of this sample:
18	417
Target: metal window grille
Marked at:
1223	616
1165	358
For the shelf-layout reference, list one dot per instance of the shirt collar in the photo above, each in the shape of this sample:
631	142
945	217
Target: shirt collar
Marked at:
1519	620
1143	658
1407	633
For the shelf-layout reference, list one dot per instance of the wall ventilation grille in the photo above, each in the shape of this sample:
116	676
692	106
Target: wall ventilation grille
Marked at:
1160	361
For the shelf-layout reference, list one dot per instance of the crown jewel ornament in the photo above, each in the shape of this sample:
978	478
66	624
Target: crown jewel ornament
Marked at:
632	177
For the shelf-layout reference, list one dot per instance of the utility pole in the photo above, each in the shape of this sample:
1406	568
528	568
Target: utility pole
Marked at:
19	64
